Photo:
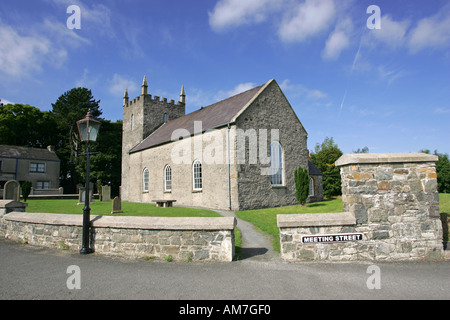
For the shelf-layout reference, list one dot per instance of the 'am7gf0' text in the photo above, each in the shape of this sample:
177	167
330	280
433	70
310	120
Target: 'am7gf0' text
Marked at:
254	309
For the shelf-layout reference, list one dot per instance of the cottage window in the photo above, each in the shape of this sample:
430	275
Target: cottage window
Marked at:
43	185
167	178
276	164
197	175
145	180
37	167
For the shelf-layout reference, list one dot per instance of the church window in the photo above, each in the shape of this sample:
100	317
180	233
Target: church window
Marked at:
311	187
197	175
276	164
145	180
167	178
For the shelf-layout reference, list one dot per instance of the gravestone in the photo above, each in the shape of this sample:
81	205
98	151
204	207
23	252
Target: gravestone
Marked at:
11	190
117	205
106	193
81	195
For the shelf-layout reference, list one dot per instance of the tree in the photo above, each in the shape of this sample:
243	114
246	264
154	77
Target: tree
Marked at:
26	126
26	189
324	157
442	171
301	185
363	150
67	110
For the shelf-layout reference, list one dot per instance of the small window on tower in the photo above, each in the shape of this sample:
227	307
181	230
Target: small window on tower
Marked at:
165	118
132	121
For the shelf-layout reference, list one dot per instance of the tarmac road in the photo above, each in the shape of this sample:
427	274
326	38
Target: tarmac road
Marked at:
29	272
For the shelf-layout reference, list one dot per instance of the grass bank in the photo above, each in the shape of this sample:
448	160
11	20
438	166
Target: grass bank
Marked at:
266	219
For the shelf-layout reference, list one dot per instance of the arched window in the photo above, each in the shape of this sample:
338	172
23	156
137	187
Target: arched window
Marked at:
311	187
276	164
145	176
167	178
197	182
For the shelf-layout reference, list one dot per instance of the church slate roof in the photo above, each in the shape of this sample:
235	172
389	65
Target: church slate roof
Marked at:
216	115
312	169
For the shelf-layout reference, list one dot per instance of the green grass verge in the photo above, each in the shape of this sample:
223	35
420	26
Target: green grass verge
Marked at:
104	208
444	207
266	219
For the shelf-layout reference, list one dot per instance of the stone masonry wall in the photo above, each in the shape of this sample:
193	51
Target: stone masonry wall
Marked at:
395	204
197	240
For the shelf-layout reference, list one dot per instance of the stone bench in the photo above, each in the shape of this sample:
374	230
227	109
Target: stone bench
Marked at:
164	203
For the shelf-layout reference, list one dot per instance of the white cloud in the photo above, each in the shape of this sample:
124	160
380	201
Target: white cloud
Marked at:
442	111
241	87
307	19
118	84
431	32
5	102
338	40
300	90
21	54
233	13
391	33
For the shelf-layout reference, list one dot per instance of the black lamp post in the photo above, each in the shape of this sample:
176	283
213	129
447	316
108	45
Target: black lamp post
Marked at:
88	129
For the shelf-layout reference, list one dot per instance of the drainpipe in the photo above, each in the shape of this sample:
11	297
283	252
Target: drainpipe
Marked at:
229	167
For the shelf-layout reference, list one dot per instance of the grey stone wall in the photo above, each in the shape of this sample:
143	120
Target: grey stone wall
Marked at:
196	239
271	110
395	204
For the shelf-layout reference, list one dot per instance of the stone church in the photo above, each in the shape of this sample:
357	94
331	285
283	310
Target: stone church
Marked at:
237	154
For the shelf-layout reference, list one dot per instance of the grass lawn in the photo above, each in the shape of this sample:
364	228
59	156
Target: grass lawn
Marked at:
69	206
444	206
266	219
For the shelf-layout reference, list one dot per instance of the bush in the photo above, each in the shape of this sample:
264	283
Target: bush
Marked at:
26	189
301	185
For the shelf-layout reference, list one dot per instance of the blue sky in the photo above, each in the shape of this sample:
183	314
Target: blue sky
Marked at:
387	89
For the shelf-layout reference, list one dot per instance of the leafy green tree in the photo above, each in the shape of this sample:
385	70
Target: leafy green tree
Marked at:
324	157
26	126
106	165
301	185
67	110
442	170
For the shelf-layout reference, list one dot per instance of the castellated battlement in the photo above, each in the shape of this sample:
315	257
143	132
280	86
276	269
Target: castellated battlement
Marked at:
146	113
154	98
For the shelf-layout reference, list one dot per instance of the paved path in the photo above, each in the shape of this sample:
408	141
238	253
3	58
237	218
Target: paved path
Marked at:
256	246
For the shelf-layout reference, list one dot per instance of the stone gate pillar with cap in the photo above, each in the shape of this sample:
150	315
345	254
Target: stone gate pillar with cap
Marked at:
395	201
391	212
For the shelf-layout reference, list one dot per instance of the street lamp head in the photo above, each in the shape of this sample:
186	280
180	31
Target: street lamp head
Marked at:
88	128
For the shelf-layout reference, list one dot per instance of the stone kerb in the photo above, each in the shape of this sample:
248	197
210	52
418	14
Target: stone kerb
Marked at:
202	239
394	202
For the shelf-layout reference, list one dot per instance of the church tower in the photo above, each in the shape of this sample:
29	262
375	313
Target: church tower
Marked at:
141	117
